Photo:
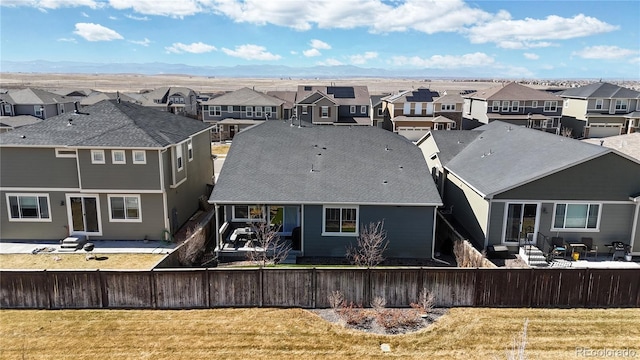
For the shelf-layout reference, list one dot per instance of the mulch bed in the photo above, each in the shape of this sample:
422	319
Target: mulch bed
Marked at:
367	319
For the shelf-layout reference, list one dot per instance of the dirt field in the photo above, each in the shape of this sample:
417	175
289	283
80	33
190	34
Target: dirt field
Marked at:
135	83
79	261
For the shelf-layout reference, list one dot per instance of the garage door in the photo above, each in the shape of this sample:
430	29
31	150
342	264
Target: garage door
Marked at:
413	133
604	130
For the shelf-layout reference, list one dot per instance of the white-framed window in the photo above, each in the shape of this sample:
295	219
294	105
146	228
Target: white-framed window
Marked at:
268	111
179	162
550	106
340	220
38	110
406	108
215	110
305	109
534	104
363	109
572	216
189	149
599	103
65	153
248	213
505	106
181	100
380	112
258	111
97	157
495	106
118	157
324	112
621	104
352	109
139	156
515	106
124	208
447	107
249	111
7	108
29	207
229	108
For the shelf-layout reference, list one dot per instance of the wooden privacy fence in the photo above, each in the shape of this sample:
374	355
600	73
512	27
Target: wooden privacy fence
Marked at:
310	287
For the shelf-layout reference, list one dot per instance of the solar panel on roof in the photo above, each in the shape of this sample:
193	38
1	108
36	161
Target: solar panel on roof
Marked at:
341	92
422	95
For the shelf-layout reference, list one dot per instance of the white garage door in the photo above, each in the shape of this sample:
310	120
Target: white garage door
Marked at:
604	130
413	133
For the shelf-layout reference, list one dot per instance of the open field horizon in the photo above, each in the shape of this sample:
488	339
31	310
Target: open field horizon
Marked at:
138	82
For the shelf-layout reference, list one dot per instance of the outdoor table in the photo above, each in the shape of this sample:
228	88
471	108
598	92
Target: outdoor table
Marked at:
578	246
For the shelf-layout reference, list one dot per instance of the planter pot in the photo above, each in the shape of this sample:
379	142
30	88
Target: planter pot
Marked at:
627	257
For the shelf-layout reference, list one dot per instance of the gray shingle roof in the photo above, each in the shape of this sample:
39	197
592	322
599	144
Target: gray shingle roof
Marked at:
600	90
245	97
107	124
504	156
30	96
273	162
512	91
341	95
450	143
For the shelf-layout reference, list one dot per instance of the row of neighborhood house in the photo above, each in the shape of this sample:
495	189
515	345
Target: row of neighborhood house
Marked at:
314	165
595	110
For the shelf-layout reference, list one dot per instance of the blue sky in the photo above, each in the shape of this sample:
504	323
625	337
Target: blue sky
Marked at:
520	39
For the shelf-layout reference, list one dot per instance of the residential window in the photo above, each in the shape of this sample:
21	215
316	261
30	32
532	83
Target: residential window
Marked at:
352	109
363	109
28	207
576	216
406	109
7	108
139	157
340	221
324	112
268	111
551	106
495	106
304	109
179	163
380	113
515	106
248	213
97	156
447	107
621	104
258	111
64	153
190	150
124	208
249	111
534	104
215	110
118	157
505	106
38	110
599	103
229	108
60	108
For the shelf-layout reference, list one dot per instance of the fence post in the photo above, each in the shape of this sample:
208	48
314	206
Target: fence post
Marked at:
103	291
154	290
50	292
207	287
261	286
313	287
585	287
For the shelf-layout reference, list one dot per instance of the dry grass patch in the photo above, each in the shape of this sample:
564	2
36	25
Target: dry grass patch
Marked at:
79	261
220	149
464	333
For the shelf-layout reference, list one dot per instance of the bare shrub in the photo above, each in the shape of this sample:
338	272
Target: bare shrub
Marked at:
193	247
269	248
372	243
566	132
355	315
519	344
336	300
378	303
395	320
426	301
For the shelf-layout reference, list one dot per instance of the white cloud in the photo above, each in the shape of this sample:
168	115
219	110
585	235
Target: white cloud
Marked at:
477	59
194	48
96	32
144	42
163	8
52	4
293	52
319	44
71	40
84	14
311	52
531	56
360	59
113	18
528	33
251	52
605	52
330	62
138	18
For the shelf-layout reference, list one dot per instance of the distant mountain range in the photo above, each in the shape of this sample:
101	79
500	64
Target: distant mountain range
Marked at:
259	71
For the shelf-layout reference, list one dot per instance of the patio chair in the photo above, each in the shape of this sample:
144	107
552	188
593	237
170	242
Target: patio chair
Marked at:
558	247
591	249
619	250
